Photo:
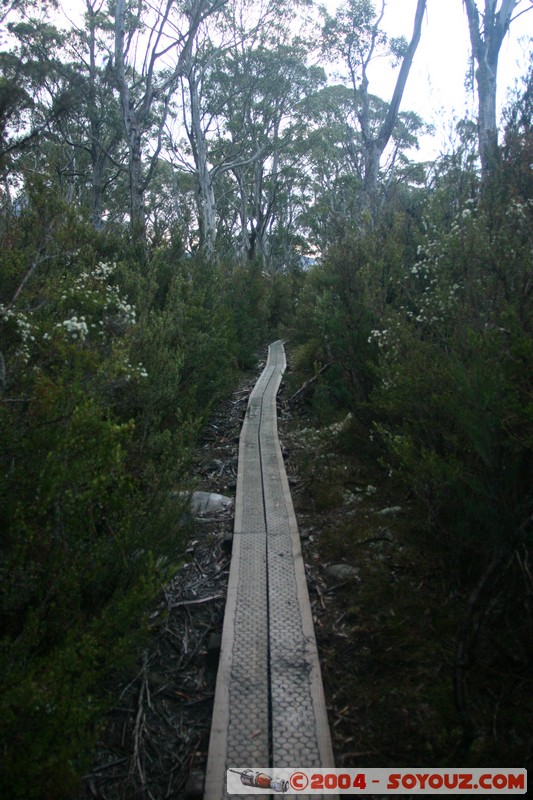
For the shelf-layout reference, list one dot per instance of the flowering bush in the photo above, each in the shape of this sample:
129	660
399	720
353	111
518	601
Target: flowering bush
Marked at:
454	355
102	390
89	311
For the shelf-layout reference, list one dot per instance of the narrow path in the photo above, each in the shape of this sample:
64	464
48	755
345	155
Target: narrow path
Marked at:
269	706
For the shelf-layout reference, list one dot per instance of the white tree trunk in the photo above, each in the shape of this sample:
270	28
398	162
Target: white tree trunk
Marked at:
375	146
131	127
206	194
486	37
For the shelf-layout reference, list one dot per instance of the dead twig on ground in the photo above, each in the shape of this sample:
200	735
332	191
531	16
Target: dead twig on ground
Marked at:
305	386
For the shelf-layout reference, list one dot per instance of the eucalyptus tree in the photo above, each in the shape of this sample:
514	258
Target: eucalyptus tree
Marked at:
221	75
9	6
165	32
270	128
334	163
48	99
488	29
80	141
91	135
197	121
264	124
31	92
356	35
105	130
332	168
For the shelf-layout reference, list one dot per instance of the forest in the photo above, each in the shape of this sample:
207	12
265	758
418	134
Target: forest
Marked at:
181	181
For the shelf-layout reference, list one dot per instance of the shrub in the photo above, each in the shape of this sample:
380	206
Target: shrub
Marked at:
97	419
455	356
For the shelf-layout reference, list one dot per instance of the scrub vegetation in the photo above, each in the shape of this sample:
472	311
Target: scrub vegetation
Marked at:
163	216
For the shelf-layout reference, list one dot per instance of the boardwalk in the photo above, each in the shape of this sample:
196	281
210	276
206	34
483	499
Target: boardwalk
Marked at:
269	705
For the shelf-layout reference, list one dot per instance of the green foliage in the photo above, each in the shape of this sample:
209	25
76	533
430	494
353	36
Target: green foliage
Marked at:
427	324
454	377
247	295
111	365
338	307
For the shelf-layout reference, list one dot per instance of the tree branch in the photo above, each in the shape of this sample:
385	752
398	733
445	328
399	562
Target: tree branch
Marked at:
392	112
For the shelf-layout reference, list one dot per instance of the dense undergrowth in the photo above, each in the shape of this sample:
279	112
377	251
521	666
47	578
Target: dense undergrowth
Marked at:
111	360
421	328
388	638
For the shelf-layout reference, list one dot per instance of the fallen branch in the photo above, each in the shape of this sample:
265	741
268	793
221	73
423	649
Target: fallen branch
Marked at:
104	767
37	261
305	386
137	735
196	602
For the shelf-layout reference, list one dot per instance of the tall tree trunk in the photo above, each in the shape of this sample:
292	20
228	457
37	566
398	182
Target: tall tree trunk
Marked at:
372	158
256	210
205	190
487	126
136	113
486	39
131	128
243	214
375	146
244	237
97	205
137	211
264	194
98	157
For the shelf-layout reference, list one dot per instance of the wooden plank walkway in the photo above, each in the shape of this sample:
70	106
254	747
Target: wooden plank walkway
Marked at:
269	706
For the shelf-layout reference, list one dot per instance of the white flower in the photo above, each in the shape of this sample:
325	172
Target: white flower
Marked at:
76	328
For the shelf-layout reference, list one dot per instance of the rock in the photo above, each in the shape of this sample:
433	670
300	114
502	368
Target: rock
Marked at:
209	503
341	572
385	512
